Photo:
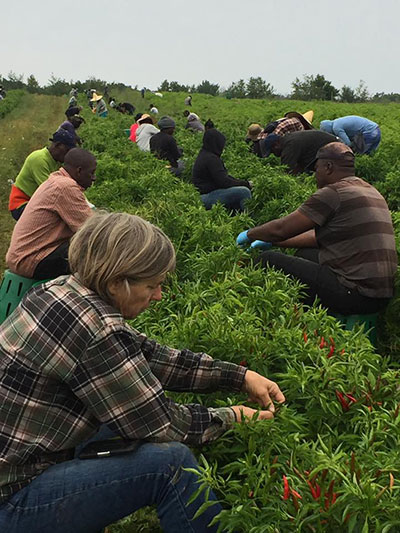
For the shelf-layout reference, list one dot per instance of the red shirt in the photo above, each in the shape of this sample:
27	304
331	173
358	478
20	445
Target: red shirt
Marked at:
132	136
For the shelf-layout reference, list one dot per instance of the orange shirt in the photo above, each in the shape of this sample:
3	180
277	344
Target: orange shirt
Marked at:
55	212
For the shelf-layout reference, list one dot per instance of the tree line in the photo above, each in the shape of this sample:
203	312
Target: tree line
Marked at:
310	87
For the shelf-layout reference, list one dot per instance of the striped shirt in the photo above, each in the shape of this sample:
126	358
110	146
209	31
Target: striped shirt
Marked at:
55	212
69	363
355	235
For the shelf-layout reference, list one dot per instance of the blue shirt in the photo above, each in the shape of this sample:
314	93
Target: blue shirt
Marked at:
347	127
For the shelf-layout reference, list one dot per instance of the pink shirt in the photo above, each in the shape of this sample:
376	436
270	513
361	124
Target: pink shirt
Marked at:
132	136
55	212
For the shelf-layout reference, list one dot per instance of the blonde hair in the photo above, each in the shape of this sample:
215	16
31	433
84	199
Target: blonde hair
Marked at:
112	247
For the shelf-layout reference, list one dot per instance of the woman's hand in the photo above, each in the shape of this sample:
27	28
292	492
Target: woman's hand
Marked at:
243	411
262	390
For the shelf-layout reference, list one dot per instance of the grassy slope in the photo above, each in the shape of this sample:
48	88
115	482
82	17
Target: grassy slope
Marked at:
25	129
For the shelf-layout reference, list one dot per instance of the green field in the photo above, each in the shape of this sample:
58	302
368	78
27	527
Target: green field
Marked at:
218	303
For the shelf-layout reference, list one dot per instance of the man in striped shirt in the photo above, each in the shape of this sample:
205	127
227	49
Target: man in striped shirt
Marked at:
344	231
40	240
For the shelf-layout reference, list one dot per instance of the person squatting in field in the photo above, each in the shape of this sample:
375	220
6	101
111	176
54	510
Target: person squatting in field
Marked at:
164	146
145	132
73	370
361	134
99	106
297	150
73	122
193	122
211	178
37	168
344	234
40	240
291	122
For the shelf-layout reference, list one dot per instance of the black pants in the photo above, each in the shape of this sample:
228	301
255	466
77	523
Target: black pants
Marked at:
16	213
54	265
321	281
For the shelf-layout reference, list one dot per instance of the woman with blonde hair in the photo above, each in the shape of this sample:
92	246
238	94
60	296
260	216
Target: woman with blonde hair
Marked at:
72	370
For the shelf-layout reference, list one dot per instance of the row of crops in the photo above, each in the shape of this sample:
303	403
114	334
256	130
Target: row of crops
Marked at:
330	461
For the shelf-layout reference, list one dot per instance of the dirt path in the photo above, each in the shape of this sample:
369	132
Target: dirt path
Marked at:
26	128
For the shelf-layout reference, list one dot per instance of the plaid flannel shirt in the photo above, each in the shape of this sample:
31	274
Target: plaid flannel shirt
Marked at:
286	125
69	363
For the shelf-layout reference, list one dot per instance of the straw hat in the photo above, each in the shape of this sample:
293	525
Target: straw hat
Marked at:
96	97
143	117
254	131
305	118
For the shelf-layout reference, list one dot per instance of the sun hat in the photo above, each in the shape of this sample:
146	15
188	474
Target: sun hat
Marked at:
305	118
143	117
96	97
254	131
64	137
166	122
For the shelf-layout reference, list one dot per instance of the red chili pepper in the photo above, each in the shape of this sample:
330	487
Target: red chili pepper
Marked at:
334	498
313	490
295	499
251	494
286	488
305	337
342	352
243	362
344	403
351	398
332	341
322	343
331	351
353	462
317	490
295	493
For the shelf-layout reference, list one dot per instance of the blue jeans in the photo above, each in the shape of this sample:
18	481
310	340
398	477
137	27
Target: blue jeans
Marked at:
372	140
232	198
84	496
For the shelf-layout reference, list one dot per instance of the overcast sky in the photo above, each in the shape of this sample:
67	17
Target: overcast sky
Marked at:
143	43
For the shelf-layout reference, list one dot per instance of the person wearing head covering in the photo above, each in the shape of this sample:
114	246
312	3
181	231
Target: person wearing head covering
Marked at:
40	240
211	178
99	105
72	123
153	109
188	100
145	132
291	122
362	134
344	232
193	121
164	146
37	168
296	150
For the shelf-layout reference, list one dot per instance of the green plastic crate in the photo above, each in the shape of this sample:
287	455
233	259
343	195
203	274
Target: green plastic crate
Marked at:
12	289
368	321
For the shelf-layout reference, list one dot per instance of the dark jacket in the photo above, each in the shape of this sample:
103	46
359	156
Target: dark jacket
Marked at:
299	149
165	147
209	172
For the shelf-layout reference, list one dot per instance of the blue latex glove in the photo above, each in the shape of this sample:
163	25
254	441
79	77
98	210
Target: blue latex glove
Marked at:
262	245
242	239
